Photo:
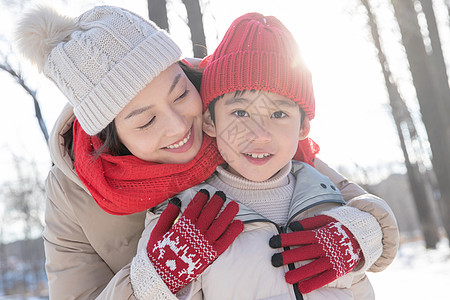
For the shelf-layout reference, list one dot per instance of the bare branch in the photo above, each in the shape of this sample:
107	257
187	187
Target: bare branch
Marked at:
5	66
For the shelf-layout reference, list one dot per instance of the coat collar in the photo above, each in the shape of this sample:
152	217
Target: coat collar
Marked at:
58	151
311	189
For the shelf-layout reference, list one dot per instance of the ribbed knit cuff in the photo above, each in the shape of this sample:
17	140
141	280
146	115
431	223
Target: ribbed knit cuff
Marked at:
365	228
145	280
125	80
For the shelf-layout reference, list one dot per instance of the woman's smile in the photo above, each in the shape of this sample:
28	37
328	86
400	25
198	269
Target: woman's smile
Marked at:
183	144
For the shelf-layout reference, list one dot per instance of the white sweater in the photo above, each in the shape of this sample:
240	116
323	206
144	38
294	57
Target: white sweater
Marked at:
270	198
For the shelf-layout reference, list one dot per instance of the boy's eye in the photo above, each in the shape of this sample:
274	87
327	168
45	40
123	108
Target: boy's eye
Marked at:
278	115
240	113
147	124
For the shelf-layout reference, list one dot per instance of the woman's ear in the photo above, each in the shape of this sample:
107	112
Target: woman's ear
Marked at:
208	125
304	129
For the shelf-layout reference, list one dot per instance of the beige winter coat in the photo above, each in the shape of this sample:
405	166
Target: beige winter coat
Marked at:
88	251
246	265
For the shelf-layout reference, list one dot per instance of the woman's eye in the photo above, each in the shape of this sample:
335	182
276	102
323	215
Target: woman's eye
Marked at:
240	113
279	115
147	124
182	95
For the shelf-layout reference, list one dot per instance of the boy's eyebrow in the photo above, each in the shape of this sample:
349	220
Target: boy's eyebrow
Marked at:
281	102
145	108
285	102
236	100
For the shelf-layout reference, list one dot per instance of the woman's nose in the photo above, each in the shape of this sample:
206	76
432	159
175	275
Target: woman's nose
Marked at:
175	123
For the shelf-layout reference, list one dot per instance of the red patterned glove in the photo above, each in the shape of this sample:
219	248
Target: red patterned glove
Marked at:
333	248
181	251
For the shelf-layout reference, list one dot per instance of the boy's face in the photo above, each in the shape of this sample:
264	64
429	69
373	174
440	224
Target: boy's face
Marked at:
257	132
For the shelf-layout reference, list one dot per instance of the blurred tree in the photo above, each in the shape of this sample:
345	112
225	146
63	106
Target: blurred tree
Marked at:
158	14
6	53
432	91
404	122
17	75
3	258
195	23
437	57
24	197
24	207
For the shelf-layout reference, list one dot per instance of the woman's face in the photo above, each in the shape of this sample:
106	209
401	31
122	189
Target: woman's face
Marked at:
163	123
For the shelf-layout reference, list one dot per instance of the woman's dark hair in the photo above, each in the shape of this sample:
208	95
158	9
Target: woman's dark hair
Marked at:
194	75
111	142
109	136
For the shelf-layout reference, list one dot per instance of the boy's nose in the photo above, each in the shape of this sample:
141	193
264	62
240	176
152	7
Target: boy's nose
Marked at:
258	134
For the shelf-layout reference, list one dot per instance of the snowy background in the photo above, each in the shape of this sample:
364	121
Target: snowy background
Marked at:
415	274
349	90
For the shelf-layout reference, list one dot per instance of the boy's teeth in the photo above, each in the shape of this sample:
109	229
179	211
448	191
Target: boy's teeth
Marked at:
180	143
260	155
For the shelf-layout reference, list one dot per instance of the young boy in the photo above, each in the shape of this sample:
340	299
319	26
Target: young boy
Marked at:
259	101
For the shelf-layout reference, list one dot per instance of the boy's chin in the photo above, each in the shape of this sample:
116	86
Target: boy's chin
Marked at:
252	176
259	177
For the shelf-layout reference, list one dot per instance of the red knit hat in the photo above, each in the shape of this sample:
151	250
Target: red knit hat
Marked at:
258	52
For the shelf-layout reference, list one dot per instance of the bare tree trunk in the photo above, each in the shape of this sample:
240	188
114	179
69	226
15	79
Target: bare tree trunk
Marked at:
440	70
434	111
401	115
439	66
195	23
157	12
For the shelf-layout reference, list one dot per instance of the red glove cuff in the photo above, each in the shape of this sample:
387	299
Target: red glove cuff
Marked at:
181	255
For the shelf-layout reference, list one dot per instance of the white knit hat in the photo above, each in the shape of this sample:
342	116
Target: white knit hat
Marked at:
100	60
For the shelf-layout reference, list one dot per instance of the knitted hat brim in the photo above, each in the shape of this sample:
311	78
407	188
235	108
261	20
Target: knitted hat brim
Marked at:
125	80
230	73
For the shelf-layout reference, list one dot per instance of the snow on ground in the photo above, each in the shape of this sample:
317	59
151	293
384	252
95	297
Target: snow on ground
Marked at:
416	273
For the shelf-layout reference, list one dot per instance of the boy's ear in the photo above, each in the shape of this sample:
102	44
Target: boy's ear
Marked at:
208	125
304	129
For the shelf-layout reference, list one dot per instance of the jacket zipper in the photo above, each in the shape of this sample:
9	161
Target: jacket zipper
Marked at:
280	230
291	266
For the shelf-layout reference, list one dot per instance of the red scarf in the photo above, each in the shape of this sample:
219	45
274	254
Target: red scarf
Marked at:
123	185
306	151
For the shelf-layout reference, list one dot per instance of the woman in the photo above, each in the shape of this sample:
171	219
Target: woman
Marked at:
128	94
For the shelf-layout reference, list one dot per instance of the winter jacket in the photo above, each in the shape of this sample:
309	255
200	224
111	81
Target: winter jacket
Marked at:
89	252
246	266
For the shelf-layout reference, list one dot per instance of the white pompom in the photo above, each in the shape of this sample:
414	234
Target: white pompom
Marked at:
39	31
